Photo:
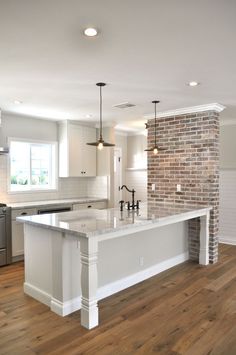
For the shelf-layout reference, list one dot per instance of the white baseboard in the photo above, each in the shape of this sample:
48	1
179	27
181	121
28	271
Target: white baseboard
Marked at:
65	308
227	240
37	293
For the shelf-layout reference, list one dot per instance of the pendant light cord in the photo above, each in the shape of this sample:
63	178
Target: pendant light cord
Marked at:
100	112
155	124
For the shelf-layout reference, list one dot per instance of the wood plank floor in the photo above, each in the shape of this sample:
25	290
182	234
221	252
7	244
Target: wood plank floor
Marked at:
188	309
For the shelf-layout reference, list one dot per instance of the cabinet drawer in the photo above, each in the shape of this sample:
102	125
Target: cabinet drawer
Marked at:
23	212
82	206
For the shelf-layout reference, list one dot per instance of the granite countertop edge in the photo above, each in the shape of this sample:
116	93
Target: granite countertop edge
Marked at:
32	204
139	223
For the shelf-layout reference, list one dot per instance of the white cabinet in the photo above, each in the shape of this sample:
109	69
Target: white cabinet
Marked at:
18	231
98	205
76	158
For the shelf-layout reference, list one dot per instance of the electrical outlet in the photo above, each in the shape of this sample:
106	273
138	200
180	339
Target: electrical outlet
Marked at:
178	188
141	260
153	187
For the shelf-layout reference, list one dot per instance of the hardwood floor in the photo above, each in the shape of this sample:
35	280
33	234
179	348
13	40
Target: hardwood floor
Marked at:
188	309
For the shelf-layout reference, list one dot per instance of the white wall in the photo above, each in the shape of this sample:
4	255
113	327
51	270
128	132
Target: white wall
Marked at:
136	173
227	227
134	164
136	156
31	128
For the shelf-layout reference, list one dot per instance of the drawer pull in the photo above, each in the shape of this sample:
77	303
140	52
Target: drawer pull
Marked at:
89	206
23	214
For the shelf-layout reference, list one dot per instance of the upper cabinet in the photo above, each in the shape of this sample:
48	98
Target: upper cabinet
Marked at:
76	158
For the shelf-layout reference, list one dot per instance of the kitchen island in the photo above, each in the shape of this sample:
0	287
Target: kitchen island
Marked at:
58	247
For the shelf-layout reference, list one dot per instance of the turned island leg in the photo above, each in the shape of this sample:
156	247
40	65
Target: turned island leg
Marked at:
89	308
204	240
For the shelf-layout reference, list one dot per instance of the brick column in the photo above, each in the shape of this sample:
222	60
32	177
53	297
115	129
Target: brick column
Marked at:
192	160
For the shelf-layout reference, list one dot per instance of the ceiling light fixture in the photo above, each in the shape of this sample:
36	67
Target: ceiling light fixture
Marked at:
155	149
90	32
193	83
17	102
100	142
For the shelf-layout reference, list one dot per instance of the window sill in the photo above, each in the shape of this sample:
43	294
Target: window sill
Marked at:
32	191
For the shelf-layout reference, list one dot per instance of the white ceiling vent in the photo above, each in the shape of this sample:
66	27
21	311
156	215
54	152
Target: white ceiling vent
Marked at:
124	105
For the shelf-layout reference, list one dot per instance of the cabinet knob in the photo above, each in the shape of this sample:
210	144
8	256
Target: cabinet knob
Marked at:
89	206
23	213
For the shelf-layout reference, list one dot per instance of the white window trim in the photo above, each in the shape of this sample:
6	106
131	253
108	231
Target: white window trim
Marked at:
36	190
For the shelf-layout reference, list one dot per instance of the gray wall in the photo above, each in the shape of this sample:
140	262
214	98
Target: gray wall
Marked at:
228	146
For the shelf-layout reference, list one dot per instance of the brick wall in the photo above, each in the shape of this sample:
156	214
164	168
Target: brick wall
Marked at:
192	160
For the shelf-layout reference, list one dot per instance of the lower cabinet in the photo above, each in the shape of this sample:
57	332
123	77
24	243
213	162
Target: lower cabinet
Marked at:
98	205
18	232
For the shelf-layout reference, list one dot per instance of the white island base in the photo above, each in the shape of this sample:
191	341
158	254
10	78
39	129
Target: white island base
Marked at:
70	270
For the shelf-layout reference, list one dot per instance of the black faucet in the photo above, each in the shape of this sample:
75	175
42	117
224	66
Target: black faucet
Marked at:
131	205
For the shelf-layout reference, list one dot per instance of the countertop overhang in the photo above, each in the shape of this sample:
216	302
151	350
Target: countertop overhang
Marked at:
91	223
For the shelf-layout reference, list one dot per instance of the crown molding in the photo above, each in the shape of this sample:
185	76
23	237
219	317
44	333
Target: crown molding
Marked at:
187	110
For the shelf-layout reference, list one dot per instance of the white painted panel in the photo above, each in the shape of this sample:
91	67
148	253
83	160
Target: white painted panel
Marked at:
227	232
137	179
118	261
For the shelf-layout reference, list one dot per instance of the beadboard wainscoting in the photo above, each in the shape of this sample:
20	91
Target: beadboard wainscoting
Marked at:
227	206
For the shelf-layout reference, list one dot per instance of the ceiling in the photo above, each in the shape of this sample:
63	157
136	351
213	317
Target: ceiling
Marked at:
145	50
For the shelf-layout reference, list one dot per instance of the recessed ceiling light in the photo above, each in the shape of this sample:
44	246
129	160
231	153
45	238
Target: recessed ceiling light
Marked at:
193	83
90	32
88	116
17	102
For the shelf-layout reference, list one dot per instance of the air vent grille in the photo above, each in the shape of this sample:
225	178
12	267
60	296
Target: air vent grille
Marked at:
124	105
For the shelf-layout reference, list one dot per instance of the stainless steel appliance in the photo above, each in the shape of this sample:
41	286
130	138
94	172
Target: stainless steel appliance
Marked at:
5	235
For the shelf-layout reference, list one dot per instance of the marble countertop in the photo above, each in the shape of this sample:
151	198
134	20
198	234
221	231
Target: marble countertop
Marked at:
89	223
15	205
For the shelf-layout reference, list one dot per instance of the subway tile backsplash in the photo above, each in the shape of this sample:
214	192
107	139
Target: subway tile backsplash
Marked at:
67	188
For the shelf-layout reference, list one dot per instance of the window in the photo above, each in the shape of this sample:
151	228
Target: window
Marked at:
32	166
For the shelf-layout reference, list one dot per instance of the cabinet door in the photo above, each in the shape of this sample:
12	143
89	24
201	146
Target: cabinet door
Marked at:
18	230
76	156
89	135
17	238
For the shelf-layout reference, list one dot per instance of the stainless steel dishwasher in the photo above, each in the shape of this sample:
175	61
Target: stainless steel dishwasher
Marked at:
54	209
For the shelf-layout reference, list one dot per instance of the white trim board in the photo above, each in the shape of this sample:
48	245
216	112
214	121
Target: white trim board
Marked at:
227	240
186	110
65	308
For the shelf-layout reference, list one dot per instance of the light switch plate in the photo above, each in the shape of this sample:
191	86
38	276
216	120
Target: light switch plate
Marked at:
153	187
178	188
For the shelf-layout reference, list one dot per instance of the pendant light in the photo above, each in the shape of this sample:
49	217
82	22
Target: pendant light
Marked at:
155	149
100	142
